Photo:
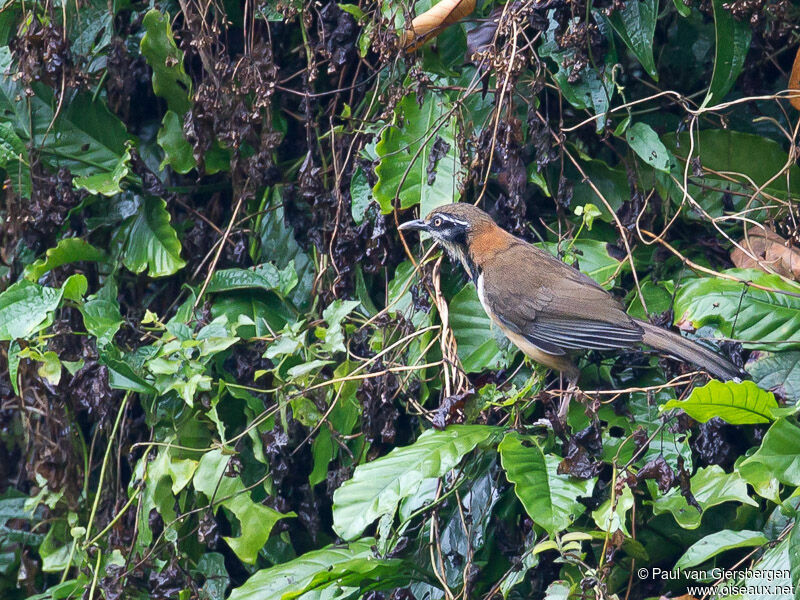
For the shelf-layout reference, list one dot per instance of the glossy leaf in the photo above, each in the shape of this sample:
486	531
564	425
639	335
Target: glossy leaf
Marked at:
472	328
733	42
68	250
635	23
377	487
550	499
106	183
717	543
419	160
25	308
710	486
264	276
761	318
255	520
345	565
647	145
178	152
170	81
778	453
735	403
150	242
101	314
778	372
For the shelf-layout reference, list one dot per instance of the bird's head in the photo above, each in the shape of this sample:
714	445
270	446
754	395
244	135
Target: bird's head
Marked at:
453	226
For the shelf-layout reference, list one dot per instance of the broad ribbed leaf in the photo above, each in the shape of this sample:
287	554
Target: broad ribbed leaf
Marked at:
344	565
68	250
635	23
256	520
177	150
717	543
378	487
778	372
477	348
736	403
646	143
710	486
150	241
760	317
550	499
778	454
419	160
26	307
264	276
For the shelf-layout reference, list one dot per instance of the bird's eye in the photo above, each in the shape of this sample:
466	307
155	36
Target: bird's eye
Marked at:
437	222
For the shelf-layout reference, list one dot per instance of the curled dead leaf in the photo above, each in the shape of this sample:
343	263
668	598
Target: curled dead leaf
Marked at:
435	20
771	251
794	81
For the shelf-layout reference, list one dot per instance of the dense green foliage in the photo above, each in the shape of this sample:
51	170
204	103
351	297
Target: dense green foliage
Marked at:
228	375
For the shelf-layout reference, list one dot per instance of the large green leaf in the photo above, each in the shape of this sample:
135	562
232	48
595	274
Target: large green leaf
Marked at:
645	142
170	81
89	138
777	371
178	151
778	454
264	276
710	486
106	183
477	348
635	23
101	314
349	565
150	242
732	43
255	520
68	250
761	318
377	487
419	160
732	152
25	308
717	543
736	403
550	499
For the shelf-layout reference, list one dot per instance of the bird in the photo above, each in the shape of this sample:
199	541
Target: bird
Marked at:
545	307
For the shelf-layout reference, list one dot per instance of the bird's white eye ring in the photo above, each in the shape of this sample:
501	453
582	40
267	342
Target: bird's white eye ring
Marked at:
437	222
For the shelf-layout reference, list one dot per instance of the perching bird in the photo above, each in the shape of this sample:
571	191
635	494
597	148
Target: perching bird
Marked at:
544	306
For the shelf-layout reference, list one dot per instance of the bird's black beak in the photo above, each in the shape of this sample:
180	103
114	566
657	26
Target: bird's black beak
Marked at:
415	225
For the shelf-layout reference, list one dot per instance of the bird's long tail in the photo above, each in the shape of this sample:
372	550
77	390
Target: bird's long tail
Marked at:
689	351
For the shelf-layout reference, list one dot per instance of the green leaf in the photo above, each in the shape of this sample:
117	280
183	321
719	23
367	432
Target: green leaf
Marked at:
594	260
50	368
178	152
255	520
635	23
406	155
25	308
472	327
150	242
735	403
761	318
264	276
683	9
170	81
550	499
377	487
778	455
344	565
101	314
710	486
732	43
778	372
68	250
732	152
612	516
646	143
717	543
107	183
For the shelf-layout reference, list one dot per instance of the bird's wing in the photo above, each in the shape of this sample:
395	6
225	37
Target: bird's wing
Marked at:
554	306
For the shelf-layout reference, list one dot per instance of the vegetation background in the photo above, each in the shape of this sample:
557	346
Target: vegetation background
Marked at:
226	375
